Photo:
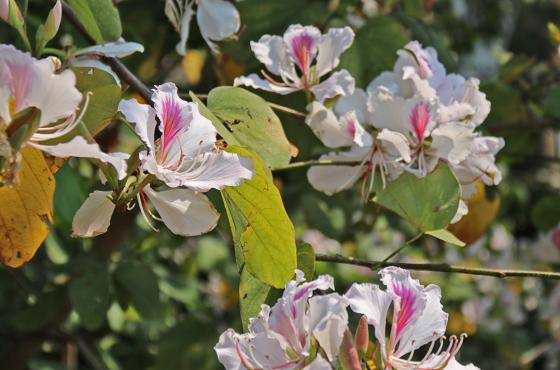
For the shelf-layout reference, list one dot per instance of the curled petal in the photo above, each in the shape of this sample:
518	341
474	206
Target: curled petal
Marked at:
217	20
331	46
394	144
357	103
144	118
119	49
328	320
270	51
339	83
254	81
78	147
94	215
184	211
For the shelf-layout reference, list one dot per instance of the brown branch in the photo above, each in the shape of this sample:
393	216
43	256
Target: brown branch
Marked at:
440	267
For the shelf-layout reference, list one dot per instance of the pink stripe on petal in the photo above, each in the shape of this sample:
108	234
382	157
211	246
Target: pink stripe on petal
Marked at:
419	119
172	122
302	47
407	307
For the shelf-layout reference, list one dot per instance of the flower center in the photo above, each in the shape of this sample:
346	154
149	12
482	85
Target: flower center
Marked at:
302	46
419	119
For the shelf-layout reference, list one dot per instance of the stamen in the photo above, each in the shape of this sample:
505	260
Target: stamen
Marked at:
141	199
272	80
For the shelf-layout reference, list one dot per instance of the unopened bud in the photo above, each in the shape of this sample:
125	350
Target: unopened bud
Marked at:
362	335
4	9
348	357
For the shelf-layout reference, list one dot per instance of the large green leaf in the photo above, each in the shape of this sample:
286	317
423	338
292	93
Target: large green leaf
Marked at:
252	294
262	231
252	122
218	124
429	203
91	296
100	18
141	284
306	260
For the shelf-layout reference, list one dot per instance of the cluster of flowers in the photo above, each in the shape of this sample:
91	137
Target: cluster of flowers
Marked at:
181	146
307	331
406	120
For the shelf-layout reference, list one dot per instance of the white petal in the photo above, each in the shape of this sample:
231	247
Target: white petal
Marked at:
334	132
254	81
357	103
386	80
78	147
339	83
200	135
454	365
270	51
119	49
218	169
461	211
452	142
5	103
331	46
302	45
332	179
217	20
319	364
328	319
184	211
457	94
94	215
144	118
369	300
394	144
184	29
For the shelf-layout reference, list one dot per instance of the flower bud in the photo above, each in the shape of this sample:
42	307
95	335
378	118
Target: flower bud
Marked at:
362	335
348	356
4	9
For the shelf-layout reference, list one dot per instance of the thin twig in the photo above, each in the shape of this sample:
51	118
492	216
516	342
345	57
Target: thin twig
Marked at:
115	64
315	162
284	109
440	267
398	250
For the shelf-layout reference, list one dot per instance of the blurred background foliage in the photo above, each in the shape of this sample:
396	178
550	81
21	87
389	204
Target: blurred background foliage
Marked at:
135	299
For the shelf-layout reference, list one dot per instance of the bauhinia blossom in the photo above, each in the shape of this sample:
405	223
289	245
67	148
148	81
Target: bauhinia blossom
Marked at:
417	319
285	335
181	152
26	82
217	20
302	59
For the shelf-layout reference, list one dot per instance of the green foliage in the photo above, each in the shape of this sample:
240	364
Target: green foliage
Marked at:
252	122
446	236
546	212
306	260
262	231
252	294
551	102
45	33
100	18
429	203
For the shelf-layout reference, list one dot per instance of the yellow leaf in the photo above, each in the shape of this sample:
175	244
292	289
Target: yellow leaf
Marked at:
24	208
482	212
193	64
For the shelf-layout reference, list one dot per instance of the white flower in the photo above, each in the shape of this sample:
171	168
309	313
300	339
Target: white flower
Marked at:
217	20
182	154
301	58
418	319
27	82
283	336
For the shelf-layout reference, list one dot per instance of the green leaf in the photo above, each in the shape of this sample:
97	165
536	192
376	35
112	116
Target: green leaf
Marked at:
429	203
551	102
100	18
262	231
91	296
141	284
306	260
546	213
252	122
252	294
446	236
37	316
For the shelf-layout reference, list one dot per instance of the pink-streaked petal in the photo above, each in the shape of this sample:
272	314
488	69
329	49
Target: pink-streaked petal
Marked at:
409	303
215	171
94	215
144	118
331	46
184	211
328	320
254	81
332	179
369	300
339	83
302	45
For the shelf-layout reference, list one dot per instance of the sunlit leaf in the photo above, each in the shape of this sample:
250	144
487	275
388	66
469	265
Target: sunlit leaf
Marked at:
429	203
262	231
252	122
100	18
306	260
446	236
25	208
